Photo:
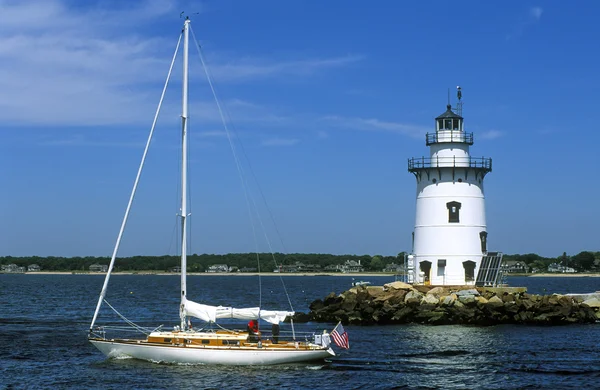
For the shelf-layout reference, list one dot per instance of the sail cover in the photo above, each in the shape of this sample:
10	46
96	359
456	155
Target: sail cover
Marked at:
212	313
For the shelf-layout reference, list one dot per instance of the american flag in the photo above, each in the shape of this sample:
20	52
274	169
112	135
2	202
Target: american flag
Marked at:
340	337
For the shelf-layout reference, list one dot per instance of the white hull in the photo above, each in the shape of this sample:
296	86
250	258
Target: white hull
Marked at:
206	355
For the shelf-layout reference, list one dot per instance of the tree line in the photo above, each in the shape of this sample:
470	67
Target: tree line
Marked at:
200	263
583	261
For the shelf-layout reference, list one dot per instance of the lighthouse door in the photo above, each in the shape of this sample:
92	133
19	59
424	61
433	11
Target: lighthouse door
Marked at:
425	267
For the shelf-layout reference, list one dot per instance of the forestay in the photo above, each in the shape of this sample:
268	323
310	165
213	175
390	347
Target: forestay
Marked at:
212	313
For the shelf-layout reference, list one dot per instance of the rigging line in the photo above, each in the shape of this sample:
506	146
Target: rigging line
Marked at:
131	323
244	182
272	218
174	233
178	159
133	191
189	194
236	159
264	200
268	210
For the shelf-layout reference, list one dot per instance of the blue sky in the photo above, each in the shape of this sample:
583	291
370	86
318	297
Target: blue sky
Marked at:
328	98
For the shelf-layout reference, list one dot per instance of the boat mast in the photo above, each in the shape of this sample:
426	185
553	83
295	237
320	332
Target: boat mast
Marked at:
184	117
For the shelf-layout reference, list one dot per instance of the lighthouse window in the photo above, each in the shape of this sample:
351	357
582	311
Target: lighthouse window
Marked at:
453	211
483	239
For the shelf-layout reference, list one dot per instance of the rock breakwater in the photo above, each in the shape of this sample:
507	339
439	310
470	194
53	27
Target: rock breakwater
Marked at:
399	303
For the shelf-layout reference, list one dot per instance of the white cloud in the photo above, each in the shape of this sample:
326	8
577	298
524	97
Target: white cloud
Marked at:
87	65
253	68
490	134
81	140
536	12
213	134
373	124
280	142
534	16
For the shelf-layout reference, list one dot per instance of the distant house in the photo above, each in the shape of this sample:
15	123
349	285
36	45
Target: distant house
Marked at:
333	268
393	267
556	267
352	266
514	266
34	268
98	268
13	268
298	267
247	269
176	269
218	268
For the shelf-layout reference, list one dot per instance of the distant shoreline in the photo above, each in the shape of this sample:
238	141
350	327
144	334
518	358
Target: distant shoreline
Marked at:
359	275
162	273
594	275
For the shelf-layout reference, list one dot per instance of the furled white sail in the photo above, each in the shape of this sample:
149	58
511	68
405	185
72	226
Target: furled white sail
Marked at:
212	313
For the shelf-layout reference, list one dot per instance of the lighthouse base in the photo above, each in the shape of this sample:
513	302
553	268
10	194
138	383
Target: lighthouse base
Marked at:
454	270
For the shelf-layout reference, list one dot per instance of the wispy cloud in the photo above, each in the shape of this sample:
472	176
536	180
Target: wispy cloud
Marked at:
536	12
254	68
213	134
322	134
81	140
533	16
87	65
280	142
373	124
490	134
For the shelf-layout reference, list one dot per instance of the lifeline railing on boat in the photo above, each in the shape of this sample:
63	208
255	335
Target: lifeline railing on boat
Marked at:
282	337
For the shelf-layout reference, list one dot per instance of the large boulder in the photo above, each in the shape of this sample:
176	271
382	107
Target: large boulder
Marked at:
449	300
430	299
413	297
495	302
466	299
592	302
467	292
436	291
375	291
392	296
397	286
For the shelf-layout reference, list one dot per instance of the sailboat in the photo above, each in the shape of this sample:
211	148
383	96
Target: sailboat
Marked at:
212	344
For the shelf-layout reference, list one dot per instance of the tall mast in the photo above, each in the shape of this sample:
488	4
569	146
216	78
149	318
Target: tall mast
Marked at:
184	136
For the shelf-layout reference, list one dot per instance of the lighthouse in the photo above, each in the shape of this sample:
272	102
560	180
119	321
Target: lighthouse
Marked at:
450	233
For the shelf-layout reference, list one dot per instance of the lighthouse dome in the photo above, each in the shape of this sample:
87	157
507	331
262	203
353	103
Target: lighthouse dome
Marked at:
449	120
449	114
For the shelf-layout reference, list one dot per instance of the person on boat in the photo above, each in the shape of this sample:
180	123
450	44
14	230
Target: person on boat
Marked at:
275	331
253	333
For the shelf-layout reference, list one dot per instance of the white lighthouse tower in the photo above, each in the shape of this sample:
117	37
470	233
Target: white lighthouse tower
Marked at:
450	237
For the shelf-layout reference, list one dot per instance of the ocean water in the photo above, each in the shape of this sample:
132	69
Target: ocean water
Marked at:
44	321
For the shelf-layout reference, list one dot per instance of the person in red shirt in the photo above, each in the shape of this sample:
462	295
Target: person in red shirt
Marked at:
253	331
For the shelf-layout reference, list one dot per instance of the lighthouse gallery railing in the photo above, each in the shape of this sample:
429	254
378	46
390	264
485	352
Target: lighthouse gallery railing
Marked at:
416	163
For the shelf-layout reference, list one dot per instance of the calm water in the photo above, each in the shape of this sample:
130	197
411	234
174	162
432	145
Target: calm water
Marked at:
44	320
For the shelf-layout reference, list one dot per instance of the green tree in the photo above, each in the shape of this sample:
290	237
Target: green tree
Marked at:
376	263
583	261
